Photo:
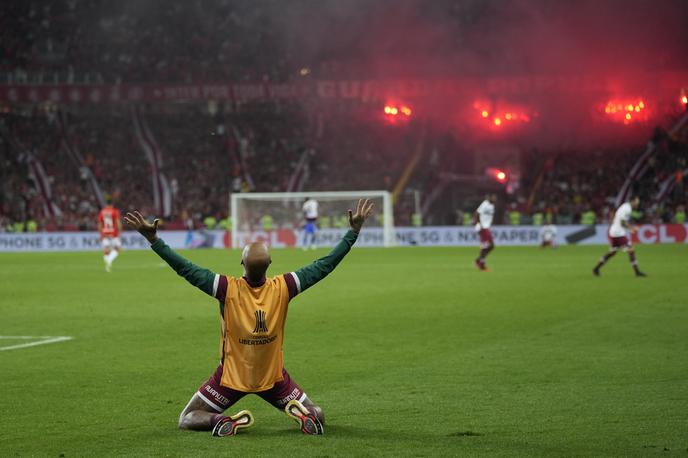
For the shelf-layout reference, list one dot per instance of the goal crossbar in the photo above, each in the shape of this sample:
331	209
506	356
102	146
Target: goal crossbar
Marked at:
388	218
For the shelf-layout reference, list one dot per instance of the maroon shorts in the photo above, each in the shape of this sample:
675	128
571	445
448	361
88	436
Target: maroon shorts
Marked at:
619	242
485	237
221	398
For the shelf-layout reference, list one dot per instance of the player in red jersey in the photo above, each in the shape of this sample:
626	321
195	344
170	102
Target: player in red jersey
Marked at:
109	227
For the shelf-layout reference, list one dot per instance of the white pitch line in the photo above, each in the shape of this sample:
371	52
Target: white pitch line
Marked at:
44	341
26	337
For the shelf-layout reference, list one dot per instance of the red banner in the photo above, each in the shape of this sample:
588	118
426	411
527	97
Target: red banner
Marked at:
362	90
660	233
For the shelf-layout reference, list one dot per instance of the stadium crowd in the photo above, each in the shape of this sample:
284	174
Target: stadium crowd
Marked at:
110	42
275	146
583	186
268	147
99	41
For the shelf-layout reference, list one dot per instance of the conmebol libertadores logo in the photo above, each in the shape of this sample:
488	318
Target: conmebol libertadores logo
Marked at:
261	324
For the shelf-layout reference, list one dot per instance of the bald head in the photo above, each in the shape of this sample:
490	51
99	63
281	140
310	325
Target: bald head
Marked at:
256	259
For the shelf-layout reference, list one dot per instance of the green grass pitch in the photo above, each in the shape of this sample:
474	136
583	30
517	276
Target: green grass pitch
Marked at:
410	351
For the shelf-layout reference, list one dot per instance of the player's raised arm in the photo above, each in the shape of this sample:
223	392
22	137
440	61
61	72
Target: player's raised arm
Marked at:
319	269
201	278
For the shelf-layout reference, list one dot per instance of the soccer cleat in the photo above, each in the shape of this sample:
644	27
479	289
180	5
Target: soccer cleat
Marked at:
308	422
229	426
596	272
481	266
640	274
108	267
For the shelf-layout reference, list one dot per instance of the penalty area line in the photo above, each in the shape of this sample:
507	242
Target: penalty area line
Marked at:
40	340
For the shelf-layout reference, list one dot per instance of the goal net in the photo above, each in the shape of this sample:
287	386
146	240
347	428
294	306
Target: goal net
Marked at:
277	217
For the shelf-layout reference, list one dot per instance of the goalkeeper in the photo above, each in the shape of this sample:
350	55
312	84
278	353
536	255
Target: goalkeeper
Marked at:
253	311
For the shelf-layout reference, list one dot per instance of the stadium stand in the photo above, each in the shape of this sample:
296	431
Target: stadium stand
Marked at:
206	157
98	41
269	145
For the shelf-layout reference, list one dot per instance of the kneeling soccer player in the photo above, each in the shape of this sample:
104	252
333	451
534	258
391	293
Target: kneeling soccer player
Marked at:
548	236
253	312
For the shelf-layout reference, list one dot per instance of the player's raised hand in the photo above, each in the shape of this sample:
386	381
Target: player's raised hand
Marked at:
146	229
363	211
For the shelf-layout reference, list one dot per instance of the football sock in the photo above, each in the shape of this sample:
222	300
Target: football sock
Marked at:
604	259
113	255
634	262
483	254
106	258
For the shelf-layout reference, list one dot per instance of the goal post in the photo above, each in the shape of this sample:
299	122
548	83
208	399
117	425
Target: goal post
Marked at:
255	214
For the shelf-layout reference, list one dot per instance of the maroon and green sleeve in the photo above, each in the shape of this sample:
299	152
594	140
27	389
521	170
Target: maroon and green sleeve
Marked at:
215	285
311	274
212	284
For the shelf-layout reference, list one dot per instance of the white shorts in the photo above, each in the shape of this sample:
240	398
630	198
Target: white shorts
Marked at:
111	242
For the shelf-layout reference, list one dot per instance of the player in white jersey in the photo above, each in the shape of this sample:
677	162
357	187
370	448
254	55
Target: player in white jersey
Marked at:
619	237
310	214
548	235
484	216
